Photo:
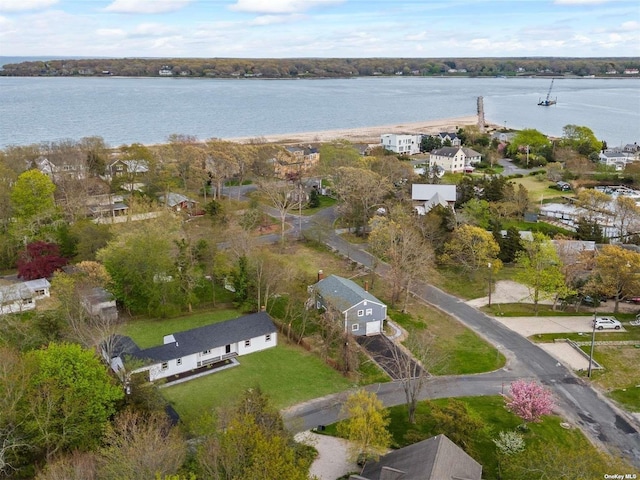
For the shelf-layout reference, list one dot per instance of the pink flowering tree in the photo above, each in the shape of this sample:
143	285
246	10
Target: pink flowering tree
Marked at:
529	400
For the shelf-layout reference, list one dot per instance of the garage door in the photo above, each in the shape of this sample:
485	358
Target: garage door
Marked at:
373	328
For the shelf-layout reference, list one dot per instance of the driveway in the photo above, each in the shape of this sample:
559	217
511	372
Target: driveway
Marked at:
389	356
332	461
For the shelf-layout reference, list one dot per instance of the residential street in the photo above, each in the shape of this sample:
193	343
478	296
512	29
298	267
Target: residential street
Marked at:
577	402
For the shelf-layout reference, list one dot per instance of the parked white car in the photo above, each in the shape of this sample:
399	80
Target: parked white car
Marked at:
601	323
635	322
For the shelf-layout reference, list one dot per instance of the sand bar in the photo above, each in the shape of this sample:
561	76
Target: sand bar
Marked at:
365	134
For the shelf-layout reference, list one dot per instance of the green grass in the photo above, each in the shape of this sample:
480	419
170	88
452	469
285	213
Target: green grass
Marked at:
286	373
631	333
491	411
325	202
460	351
149	332
542	227
628	397
469	285
528	310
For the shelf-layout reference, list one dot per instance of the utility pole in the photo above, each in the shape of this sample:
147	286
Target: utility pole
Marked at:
593	342
490	279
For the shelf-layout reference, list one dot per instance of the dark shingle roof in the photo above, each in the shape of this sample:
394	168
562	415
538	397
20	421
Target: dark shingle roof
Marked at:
342	293
210	336
436	458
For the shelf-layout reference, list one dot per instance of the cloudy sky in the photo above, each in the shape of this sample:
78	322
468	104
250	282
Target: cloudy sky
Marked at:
320	28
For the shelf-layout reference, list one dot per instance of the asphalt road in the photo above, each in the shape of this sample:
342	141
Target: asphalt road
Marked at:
577	401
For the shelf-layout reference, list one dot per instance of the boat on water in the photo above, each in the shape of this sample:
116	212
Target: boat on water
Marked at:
548	101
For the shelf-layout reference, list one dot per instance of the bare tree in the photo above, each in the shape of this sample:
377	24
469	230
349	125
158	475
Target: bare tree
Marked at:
282	197
414	366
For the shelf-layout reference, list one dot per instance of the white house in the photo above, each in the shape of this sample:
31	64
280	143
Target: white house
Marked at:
362	313
615	159
23	296
454	159
427	196
201	348
406	144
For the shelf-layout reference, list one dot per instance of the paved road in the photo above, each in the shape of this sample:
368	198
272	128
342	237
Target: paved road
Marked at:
577	401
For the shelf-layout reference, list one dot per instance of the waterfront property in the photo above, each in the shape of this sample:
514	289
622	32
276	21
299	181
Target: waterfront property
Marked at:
199	350
405	144
454	159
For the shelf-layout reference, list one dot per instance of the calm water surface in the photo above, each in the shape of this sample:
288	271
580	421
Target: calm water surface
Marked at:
148	110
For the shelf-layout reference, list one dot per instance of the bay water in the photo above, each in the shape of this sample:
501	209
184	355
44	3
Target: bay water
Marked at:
148	110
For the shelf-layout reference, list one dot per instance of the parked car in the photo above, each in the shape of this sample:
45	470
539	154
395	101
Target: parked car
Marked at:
635	300
592	301
601	323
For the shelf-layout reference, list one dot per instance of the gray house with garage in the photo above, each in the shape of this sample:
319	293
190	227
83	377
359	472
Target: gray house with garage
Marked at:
361	312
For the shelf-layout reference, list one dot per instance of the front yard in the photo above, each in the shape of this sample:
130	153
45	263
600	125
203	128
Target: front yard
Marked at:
287	374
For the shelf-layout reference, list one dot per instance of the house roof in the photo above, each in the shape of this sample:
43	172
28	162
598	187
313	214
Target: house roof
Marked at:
210	336
424	191
173	199
452	151
37	284
342	293
96	296
17	291
436	458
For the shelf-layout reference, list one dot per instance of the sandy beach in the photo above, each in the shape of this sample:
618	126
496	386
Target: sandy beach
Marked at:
365	134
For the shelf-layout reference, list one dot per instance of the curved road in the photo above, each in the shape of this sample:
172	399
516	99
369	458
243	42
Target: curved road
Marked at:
577	401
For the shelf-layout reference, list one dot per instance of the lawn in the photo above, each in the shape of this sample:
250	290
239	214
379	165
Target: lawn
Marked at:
539	188
496	418
287	373
469	285
325	202
461	351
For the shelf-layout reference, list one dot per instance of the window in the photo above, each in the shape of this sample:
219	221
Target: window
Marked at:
179	361
355	327
361	313
247	343
267	337
369	311
227	349
165	365
206	352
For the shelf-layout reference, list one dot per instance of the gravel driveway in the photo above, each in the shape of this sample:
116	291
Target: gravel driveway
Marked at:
332	461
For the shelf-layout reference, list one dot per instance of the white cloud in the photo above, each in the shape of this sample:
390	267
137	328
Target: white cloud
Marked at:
630	26
146	6
24	5
263	20
111	32
280	6
153	30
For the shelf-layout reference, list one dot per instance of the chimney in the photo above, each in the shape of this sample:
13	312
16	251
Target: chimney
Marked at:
320	275
366	285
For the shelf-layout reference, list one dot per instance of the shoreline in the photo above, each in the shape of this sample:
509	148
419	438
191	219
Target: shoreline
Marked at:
369	134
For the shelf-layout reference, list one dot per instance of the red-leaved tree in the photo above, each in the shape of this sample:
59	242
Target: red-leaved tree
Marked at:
39	260
529	400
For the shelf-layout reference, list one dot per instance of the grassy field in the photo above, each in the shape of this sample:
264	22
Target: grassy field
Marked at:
325	202
469	285
539	188
496	418
287	373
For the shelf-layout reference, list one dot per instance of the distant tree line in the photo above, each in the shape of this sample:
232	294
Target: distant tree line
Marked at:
324	67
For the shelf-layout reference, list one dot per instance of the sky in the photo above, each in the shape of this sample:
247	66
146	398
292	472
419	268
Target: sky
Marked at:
320	28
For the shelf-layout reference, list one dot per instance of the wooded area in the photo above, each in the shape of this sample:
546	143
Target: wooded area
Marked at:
328	67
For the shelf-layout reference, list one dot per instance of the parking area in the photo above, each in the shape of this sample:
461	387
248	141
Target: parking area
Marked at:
527	326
